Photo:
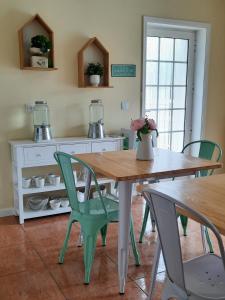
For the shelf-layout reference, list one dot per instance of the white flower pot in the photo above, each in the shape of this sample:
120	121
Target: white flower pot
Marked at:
145	148
34	50
95	80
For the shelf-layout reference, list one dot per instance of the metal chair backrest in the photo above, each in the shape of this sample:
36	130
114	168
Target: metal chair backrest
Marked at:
207	150
154	138
64	161
164	209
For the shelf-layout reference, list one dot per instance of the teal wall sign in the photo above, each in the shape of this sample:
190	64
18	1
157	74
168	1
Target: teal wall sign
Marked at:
123	70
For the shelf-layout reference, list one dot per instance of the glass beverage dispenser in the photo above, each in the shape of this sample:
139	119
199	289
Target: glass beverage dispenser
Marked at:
42	128
96	120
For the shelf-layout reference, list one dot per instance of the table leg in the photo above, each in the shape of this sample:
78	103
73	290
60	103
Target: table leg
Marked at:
154	269
125	193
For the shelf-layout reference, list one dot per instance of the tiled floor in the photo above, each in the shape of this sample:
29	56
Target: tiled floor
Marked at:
29	268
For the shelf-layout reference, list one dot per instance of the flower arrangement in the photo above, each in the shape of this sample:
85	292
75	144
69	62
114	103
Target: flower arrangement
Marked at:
143	126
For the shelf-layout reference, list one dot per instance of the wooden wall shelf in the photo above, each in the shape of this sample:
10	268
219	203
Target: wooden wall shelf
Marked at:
39	69
92	52
35	26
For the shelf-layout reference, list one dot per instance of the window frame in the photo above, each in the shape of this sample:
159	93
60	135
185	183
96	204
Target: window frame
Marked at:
200	69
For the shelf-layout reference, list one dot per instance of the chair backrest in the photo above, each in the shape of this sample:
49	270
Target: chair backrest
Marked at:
64	161
205	149
164	210
155	134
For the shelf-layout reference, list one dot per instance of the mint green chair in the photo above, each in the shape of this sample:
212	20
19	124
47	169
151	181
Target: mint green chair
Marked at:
93	214
207	150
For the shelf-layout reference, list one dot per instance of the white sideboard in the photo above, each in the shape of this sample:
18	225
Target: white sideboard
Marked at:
28	154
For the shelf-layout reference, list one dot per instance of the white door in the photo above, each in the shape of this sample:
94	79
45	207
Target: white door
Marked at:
168	84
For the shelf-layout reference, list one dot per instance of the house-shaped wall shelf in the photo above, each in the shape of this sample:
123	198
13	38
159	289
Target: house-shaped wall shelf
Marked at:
93	52
35	26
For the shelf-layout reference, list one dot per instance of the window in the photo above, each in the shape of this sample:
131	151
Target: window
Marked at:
168	84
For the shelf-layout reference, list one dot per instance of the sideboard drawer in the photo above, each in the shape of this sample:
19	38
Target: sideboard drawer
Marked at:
76	148
104	146
39	155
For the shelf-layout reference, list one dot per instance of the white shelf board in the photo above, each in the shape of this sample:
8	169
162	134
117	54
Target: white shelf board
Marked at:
61	186
29	214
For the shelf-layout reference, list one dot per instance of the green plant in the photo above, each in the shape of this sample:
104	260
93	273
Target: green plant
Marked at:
94	69
42	42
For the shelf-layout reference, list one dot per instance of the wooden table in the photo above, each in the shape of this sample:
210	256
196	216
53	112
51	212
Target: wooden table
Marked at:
205	195
123	167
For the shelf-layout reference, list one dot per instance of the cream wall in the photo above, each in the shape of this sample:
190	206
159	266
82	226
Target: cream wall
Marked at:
118	24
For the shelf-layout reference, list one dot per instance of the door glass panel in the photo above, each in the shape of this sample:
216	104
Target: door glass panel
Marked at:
180	74
151	97
165	73
164	140
164	120
177	141
152	51
152	73
165	97
181	50
178	120
179	95
166	49
166	87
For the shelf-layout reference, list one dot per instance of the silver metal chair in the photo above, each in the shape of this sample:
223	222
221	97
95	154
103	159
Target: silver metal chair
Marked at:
200	278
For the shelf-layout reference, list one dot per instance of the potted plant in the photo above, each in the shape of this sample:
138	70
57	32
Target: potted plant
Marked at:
95	72
144	127
40	44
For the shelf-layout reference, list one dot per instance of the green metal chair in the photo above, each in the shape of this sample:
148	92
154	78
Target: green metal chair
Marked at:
93	214
207	150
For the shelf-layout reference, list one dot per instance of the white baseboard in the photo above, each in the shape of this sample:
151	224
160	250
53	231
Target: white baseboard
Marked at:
5	212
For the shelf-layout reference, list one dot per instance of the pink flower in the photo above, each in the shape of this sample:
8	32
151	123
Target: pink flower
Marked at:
137	124
151	124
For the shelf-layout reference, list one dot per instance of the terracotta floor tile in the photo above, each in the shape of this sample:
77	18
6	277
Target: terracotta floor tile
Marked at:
11	220
19	258
99	291
50	253
29	268
47	234
144	284
12	234
71	273
29	286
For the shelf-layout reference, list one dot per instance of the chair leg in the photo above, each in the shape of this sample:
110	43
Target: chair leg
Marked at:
103	234
65	243
89	251
184	222
206	240
152	221
144	223
154	269
134	246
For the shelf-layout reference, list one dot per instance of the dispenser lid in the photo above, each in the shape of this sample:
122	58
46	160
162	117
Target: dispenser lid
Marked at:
96	101
41	102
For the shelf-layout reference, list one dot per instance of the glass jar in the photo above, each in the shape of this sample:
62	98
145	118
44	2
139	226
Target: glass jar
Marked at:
96	112
41	114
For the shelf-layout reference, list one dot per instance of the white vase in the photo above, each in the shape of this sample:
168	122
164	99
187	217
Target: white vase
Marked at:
145	148
35	50
95	80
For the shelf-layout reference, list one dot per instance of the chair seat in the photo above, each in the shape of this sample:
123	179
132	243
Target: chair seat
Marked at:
205	276
95	207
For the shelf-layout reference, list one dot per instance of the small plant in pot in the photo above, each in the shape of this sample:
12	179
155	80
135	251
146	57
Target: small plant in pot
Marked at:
40	44
95	72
